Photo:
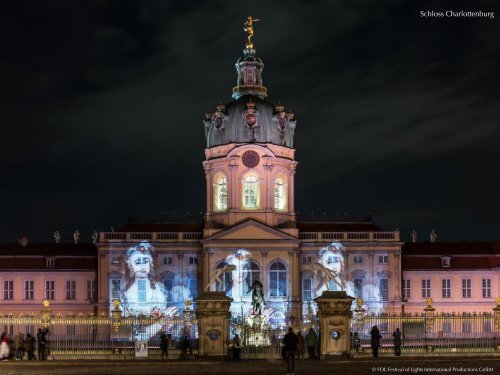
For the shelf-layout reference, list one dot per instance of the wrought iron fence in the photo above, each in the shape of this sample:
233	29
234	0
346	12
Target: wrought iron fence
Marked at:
75	335
424	332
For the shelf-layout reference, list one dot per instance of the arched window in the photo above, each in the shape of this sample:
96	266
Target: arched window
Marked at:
227	281
167	279
251	272
220	192
277	279
250	191
280	194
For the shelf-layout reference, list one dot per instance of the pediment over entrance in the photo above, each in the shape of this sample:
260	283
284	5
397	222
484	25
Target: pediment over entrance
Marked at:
251	230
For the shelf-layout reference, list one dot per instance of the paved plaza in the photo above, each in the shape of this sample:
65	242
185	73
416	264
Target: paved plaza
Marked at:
380	366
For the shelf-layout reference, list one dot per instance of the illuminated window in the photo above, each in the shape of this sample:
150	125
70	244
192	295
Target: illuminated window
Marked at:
8	290
446	288
406	289
280	194
167	260
306	259
486	288
70	289
50	289
426	288
227	281
358	259
251	272
91	290
383	285
220	192
29	290
466	288
115	289
306	289
278	279
141	290
168	279
358	288
466	327
193	286
250	192
447	327
487	327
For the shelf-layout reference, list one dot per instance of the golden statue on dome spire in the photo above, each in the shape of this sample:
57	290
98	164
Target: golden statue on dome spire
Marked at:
249	29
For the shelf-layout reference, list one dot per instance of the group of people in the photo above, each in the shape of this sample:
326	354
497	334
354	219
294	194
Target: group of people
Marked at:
293	347
375	341
24	345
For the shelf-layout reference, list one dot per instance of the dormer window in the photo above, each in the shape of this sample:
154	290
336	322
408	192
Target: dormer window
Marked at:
446	262
50	262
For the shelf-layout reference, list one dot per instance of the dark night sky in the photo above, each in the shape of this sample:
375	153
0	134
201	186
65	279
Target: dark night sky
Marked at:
103	101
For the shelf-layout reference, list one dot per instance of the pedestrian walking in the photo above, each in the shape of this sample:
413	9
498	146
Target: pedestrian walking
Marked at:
4	347
300	345
236	347
164	345
290	347
19	346
311	343
375	341
29	346
397	342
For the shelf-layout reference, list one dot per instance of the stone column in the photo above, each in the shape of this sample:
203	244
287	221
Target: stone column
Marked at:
334	312
212	312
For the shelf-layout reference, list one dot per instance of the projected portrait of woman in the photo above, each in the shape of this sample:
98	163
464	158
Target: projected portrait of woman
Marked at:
142	295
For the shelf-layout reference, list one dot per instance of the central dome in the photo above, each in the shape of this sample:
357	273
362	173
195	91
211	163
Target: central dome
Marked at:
249	119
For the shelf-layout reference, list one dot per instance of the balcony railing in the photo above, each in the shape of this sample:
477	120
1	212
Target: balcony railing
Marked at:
350	236
151	236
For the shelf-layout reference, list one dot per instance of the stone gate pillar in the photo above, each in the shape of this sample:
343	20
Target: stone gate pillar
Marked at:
212	312
334	313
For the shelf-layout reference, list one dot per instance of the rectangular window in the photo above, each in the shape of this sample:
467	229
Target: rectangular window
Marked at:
466	327
406	289
466	288
50	290
426	288
193	287
486	288
306	289
167	260
306	259
91	290
383	259
29	290
358	288
8	290
487	327
193	260
447	327
71	289
50	262
141	290
383	285
358	259
115	289
446	288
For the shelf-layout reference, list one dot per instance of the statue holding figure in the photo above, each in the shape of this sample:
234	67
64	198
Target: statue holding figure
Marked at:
258	301
218	272
249	29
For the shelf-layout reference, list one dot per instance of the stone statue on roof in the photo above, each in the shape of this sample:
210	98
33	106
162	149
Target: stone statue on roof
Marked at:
57	236
414	236
433	236
76	236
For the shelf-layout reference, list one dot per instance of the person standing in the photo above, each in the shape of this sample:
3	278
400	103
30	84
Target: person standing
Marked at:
19	346
300	345
41	341
375	341
164	345
29	346
356	342
236	347
397	342
290	347
311	343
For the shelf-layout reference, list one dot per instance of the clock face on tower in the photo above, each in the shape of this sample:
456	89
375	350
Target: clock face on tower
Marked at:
250	159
